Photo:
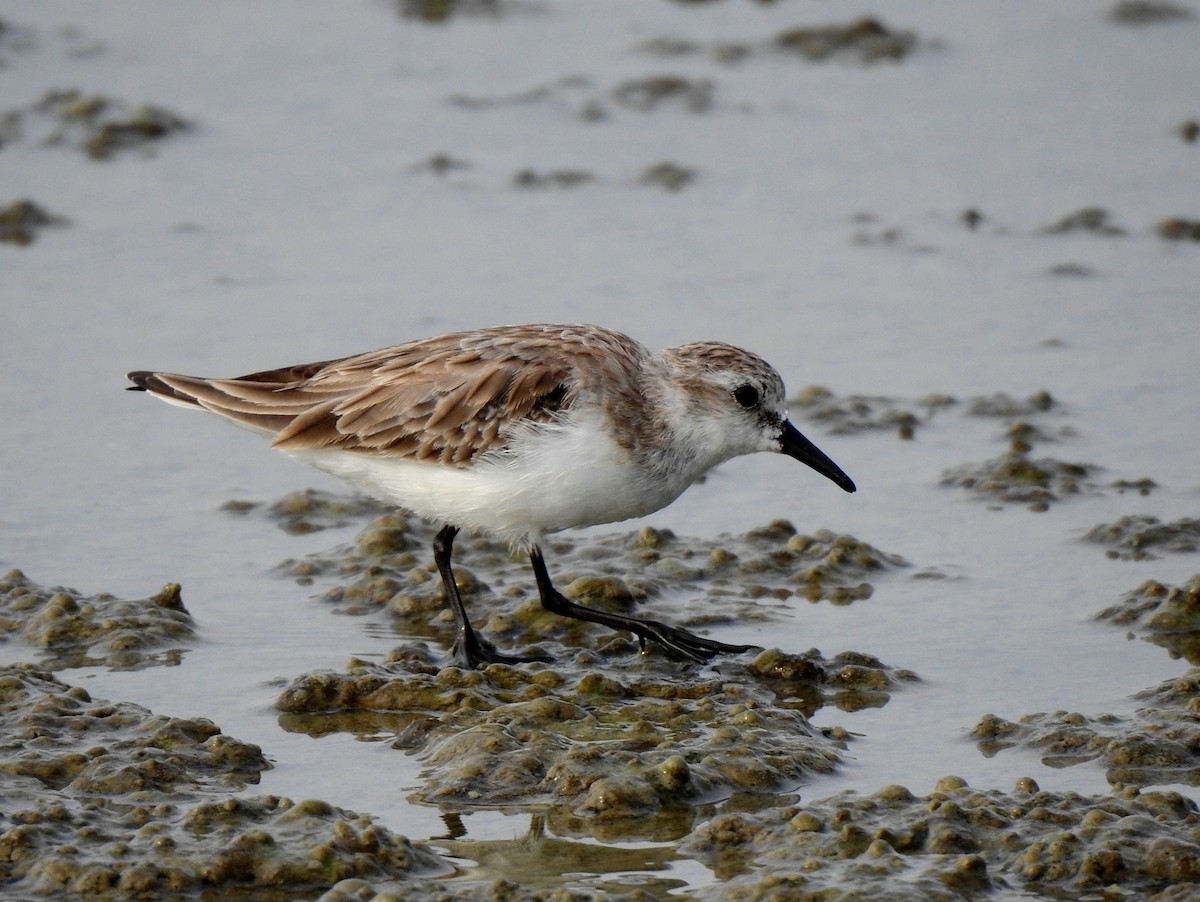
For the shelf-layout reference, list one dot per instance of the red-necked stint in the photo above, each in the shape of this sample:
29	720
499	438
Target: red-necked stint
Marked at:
519	432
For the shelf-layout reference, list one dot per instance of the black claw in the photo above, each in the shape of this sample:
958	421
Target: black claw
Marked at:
684	645
477	652
675	642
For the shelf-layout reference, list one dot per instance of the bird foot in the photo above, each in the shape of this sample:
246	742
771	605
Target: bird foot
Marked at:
682	645
474	652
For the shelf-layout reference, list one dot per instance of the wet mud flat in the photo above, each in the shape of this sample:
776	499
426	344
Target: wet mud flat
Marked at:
608	732
607	745
624	763
610	745
110	798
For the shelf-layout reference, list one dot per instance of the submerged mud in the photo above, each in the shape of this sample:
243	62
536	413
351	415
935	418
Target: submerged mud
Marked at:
1148	12
70	629
94	747
859	413
1018	476
1015	477
441	11
310	510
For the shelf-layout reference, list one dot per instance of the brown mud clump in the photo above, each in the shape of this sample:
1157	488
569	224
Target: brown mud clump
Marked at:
107	800
668	176
653	92
864	41
1159	744
1088	220
1176	228
1169	615
554	178
1131	538
955	843
441	164
74	630
849	414
1003	405
20	222
100	126
1015	478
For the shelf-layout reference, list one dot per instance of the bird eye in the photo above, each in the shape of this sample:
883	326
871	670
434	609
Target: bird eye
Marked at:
747	396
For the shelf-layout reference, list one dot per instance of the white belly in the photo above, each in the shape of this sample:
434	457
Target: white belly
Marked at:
555	478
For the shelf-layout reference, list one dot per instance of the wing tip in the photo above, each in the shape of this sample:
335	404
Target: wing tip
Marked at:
148	381
141	380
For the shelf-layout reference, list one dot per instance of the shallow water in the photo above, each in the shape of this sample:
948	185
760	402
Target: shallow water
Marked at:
823	231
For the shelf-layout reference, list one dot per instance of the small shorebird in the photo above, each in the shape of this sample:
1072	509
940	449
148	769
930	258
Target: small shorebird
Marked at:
519	431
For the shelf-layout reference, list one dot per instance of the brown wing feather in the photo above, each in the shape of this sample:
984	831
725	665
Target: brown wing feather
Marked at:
447	399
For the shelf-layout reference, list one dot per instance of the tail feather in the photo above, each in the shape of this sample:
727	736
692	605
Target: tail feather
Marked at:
205	394
144	380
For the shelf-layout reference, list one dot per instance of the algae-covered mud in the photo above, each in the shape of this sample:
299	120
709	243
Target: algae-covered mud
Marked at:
688	580
1014	477
864	41
1168	616
69	629
608	741
1157	745
310	510
601	742
1160	742
1139	537
101	127
108	800
955	843
608	731
602	747
23	220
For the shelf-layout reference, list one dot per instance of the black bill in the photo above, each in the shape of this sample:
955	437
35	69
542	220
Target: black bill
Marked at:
793	444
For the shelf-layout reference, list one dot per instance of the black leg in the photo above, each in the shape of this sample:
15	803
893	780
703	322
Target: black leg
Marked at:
469	650
677	643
